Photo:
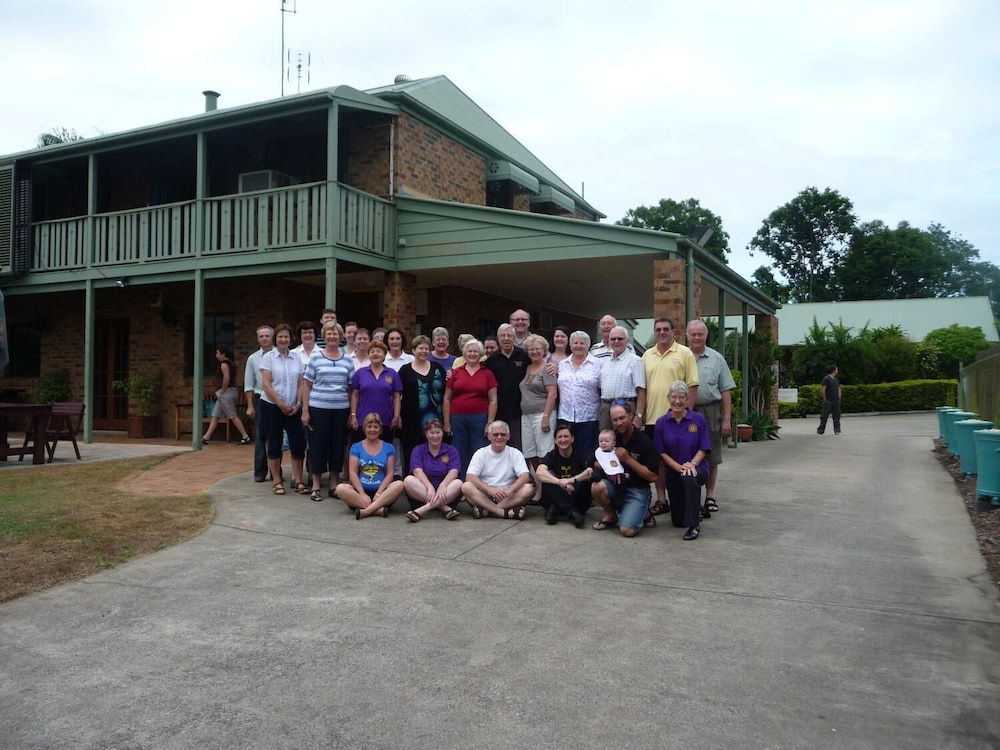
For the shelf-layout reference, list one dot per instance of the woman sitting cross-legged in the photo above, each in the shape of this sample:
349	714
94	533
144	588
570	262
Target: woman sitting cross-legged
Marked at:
434	479
370	488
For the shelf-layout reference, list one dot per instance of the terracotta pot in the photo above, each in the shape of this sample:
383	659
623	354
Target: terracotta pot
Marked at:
744	432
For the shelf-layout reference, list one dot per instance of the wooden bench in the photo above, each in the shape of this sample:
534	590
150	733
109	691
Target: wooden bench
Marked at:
63	424
184	415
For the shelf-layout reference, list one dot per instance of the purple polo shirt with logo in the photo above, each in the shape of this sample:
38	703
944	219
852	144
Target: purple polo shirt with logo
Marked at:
376	393
681	440
435	467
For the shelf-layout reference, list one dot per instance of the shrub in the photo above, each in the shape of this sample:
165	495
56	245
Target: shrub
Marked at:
906	395
53	387
958	345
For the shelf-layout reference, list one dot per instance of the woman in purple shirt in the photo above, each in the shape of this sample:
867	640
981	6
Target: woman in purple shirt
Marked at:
681	439
376	389
434	481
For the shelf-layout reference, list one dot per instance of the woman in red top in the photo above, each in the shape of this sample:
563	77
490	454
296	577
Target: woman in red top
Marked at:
470	403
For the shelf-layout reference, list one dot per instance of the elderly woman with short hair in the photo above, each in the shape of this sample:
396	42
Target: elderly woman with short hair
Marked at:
681	438
423	394
470	403
580	391
439	348
538	399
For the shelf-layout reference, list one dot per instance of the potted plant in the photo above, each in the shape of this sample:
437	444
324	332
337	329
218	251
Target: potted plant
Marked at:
142	389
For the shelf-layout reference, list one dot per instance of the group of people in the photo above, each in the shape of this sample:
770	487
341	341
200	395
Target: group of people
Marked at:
511	420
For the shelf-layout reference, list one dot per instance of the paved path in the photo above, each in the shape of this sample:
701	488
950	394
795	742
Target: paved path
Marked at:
837	601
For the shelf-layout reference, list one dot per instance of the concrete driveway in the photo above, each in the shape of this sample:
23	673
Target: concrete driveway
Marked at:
838	600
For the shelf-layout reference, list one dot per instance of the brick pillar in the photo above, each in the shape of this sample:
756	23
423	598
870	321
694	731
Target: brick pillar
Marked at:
400	307
669	293
769	323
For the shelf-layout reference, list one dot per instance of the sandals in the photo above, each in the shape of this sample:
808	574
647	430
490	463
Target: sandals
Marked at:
246	441
413	516
278	488
515	514
451	514
301	488
660	507
605	523
649	522
477	512
710	505
316	496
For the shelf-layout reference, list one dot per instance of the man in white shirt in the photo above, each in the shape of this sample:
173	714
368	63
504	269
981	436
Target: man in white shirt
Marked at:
623	379
253	388
602	349
497	480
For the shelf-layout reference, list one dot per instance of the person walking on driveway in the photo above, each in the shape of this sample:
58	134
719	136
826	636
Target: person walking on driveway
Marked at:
830	391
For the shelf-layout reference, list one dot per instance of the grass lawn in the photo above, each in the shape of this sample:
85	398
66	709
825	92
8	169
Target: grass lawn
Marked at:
65	523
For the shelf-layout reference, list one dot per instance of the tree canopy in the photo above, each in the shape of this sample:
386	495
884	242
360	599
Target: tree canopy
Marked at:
806	238
670	216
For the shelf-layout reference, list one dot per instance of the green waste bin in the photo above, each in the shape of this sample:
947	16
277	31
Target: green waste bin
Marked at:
966	443
950	417
942	432
988	463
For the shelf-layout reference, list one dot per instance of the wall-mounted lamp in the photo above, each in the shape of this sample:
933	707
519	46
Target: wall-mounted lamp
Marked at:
122	282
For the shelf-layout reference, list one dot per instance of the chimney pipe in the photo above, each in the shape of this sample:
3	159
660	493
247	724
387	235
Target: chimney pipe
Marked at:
211	100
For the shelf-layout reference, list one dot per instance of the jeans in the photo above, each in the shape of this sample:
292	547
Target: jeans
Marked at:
259	442
468	435
829	408
630	503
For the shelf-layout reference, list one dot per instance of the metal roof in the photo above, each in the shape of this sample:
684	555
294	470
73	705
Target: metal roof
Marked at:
438	95
917	317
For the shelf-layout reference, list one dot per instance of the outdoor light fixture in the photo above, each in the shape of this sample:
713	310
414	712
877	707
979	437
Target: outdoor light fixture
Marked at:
122	282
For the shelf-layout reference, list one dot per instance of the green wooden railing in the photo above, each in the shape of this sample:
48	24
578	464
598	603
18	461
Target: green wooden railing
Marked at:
271	219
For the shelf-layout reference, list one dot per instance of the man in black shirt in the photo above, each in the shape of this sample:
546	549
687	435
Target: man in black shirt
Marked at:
830	391
626	504
508	366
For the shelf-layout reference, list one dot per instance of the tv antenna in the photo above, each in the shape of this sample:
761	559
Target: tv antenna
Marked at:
302	60
287	6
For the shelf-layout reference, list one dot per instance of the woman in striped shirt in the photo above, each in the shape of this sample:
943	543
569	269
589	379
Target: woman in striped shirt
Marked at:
326	406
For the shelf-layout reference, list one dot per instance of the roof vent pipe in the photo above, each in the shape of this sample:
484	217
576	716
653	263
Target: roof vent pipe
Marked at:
211	100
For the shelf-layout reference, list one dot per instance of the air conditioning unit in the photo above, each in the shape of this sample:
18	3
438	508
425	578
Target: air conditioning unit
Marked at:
265	179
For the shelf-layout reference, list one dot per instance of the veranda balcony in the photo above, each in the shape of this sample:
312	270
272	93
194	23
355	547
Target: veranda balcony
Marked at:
290	217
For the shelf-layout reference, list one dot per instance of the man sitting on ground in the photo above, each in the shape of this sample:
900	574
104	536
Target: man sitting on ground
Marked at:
497	480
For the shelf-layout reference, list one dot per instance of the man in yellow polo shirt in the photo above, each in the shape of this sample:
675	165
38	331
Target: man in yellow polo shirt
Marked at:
664	363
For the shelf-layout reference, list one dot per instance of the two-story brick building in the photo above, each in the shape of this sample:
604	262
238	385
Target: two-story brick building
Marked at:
404	205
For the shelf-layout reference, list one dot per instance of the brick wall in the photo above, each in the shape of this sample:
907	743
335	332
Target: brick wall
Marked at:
669	293
769	323
432	164
368	157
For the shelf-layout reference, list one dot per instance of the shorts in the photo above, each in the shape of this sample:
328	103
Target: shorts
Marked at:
712	412
534	442
225	403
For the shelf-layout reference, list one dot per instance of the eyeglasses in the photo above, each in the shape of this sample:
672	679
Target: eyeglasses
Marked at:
663	330
617	338
499	434
520	320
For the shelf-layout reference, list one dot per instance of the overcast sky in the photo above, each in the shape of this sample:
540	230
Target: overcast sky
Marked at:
739	104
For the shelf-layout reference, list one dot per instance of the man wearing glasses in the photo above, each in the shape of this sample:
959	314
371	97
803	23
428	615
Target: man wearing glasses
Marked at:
665	363
496	483
602	349
521	322
623	378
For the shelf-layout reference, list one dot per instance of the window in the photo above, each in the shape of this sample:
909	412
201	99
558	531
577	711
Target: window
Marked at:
25	350
217	329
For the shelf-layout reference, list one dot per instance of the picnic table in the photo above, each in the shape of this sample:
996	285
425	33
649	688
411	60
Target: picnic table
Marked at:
38	414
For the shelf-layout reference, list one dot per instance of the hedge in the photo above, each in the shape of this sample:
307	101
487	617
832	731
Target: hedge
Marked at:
906	395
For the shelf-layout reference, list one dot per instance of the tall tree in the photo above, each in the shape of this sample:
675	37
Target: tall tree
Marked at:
682	218
764	279
806	239
884	263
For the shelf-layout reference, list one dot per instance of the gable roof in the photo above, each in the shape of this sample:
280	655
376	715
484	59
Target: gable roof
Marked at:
917	317
439	97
